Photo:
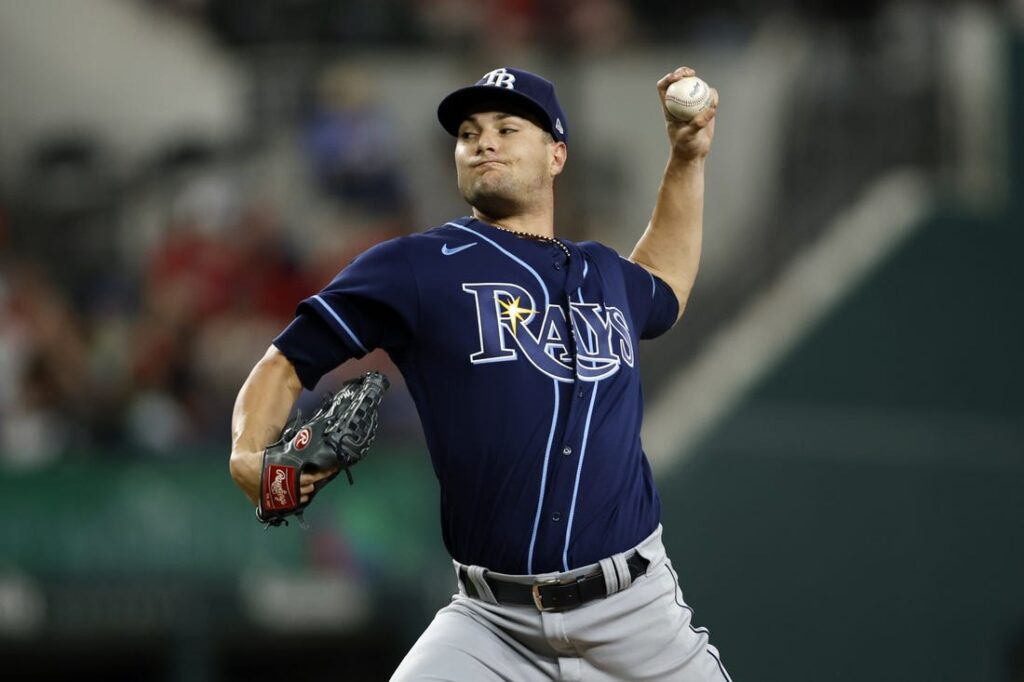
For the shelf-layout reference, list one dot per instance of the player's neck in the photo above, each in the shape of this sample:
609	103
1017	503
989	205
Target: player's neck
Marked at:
542	225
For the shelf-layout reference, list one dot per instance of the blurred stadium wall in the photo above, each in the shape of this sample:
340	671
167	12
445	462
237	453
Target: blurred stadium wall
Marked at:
837	425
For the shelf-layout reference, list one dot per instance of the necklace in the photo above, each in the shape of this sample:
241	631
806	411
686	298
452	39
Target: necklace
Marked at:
537	237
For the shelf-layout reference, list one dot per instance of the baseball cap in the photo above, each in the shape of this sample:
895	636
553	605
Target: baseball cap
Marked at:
514	87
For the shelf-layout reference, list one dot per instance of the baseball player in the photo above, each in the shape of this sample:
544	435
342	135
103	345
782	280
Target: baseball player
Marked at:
520	351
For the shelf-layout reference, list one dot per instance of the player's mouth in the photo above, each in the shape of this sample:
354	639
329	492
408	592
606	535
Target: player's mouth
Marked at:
489	163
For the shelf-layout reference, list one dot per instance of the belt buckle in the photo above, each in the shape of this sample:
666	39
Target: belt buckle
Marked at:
538	601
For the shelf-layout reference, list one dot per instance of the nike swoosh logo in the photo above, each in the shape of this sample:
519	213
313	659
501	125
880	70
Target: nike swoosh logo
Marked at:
451	252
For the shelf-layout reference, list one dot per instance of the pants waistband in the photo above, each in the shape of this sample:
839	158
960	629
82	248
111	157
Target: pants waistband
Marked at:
562	590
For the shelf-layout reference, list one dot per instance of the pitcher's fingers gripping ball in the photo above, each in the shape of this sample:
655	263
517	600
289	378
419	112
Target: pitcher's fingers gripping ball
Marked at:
689	106
687	97
336	438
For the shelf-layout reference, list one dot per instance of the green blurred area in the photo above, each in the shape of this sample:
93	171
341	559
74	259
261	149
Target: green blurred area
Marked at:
862	511
87	517
158	570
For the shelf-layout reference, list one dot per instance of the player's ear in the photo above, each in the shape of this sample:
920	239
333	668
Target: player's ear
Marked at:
559	155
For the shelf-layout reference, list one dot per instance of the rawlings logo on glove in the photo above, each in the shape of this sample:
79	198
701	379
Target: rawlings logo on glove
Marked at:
281	496
334	439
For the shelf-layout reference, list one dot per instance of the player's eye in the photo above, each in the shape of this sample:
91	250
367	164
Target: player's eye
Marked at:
505	131
467	135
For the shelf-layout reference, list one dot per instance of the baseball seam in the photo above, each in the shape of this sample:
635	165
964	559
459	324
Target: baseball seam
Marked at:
686	102
689	106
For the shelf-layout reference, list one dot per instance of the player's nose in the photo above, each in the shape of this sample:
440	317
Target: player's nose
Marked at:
487	140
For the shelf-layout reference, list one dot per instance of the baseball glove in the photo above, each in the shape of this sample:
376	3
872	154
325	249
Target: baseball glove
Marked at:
337	436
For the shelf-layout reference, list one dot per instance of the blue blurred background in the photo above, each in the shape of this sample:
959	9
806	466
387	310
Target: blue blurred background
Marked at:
837	425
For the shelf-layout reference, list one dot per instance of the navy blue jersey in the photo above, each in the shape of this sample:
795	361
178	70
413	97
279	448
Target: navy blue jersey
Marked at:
523	366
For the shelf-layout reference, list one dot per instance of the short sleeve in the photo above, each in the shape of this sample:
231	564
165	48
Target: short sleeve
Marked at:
310	345
652	303
372	303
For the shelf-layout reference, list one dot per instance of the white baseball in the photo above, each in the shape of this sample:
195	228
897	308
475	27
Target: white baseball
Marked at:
687	97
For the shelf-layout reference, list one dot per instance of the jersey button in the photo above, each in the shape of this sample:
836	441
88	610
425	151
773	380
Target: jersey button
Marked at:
558	266
556	517
566	450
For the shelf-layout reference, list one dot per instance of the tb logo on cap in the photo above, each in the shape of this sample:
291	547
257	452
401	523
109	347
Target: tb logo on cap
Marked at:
499	78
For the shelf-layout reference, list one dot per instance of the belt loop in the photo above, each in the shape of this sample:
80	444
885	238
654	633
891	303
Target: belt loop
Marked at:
483	589
611	578
622	568
458	575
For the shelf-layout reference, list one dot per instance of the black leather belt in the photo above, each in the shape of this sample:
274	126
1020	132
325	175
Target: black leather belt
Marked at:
552	595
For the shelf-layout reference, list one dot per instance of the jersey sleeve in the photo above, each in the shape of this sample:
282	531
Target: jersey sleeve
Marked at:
309	343
653	304
372	303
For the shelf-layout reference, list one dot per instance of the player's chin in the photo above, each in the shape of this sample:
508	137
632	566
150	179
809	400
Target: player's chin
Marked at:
490	179
493	198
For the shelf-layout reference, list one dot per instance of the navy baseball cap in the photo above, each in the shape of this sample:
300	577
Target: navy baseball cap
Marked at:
514	87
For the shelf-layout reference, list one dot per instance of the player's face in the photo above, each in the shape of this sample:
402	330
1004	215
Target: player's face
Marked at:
505	163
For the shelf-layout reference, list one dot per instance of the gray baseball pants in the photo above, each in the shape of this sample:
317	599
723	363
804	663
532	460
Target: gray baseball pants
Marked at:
638	632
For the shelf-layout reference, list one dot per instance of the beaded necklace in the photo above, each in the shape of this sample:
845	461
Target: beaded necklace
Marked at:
540	238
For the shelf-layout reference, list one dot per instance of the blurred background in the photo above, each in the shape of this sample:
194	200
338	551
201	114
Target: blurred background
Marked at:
837	426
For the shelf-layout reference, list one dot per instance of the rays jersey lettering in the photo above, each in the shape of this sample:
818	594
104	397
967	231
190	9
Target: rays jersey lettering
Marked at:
510	324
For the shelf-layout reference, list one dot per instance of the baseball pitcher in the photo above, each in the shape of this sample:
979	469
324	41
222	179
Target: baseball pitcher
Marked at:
520	350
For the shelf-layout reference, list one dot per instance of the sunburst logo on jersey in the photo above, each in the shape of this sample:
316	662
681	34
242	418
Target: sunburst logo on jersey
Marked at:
515	313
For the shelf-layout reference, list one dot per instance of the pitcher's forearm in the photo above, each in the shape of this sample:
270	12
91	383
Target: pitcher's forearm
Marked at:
260	413
264	402
670	246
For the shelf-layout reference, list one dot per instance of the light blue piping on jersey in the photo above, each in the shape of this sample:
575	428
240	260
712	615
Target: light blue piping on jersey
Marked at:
543	480
554	384
579	289
576	485
579	470
340	321
547	298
